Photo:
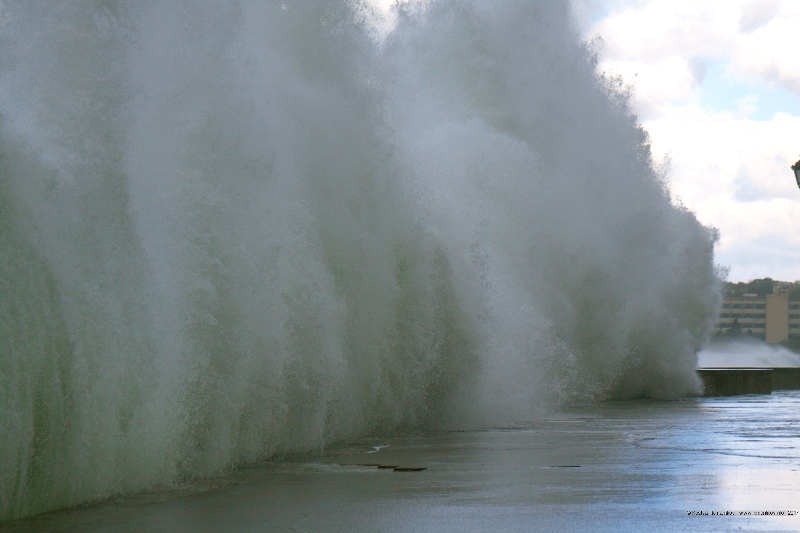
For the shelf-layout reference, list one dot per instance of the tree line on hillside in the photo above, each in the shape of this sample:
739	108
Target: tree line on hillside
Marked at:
760	287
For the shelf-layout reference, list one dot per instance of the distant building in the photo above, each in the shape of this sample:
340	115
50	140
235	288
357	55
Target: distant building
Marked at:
774	318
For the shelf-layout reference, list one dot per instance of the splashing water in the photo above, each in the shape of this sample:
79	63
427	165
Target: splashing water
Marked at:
253	227
746	353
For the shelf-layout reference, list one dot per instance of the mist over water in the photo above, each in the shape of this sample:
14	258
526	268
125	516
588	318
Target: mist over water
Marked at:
255	227
745	353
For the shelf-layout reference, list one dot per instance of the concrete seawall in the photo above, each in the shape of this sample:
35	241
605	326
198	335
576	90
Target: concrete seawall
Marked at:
735	381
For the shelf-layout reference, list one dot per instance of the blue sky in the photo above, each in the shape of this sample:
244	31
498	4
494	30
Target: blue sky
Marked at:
721	91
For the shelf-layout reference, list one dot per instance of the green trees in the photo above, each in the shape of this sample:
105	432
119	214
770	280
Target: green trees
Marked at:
760	287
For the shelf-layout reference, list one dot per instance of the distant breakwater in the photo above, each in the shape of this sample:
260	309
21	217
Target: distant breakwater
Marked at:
736	381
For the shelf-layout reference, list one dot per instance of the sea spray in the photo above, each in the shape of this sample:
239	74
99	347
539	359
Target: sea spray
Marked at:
522	153
257	227
746	352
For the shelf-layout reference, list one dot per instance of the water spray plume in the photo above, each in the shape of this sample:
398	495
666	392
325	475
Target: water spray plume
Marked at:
254	228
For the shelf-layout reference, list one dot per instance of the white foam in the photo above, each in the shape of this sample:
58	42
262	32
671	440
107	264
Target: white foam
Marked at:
748	354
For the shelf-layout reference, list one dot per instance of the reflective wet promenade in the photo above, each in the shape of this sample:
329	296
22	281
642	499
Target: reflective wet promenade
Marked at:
630	466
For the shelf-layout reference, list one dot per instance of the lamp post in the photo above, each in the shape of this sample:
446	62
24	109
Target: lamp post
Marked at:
796	168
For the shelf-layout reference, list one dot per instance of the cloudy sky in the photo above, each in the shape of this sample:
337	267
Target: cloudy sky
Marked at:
717	85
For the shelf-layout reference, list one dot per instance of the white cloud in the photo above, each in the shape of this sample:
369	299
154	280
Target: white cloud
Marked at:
770	52
757	38
701	72
734	173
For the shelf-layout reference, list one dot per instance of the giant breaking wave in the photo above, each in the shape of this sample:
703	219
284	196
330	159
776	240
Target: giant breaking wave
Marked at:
242	228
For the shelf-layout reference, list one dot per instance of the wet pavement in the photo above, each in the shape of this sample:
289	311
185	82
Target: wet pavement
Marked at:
627	466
